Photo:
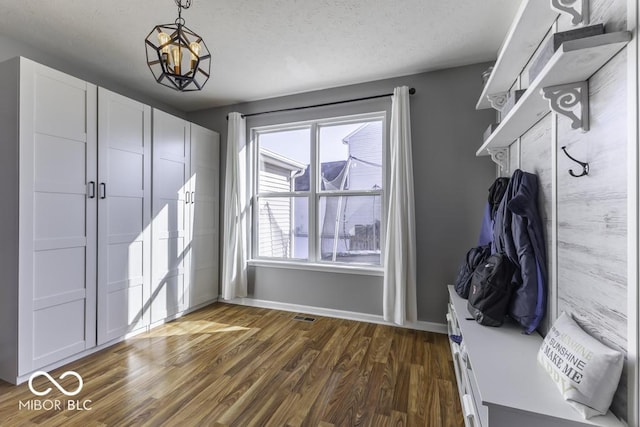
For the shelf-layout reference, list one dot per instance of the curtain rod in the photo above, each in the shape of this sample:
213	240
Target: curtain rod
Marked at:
326	104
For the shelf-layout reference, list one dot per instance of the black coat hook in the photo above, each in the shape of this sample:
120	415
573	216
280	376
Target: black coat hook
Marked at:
585	166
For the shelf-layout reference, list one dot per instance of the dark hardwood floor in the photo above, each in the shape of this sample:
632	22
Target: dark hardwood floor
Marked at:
228	365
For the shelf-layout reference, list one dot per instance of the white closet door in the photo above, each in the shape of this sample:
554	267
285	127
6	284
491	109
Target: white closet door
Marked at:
57	216
171	215
124	215
204	180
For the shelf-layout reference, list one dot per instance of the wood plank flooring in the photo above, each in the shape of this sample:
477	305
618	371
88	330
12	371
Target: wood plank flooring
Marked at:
227	365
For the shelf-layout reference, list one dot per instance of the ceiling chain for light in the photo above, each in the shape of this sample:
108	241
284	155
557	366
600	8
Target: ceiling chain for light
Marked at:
186	5
181	6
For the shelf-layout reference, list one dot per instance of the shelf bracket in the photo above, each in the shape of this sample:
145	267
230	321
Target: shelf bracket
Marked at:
566	99
500	156
498	100
577	9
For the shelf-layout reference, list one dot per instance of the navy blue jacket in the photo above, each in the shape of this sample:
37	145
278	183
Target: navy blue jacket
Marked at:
518	232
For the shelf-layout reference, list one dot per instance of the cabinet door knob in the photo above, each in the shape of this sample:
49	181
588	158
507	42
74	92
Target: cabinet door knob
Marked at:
103	190
193	197
187	197
92	190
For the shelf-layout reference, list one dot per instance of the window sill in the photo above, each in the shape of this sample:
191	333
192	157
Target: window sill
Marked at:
344	269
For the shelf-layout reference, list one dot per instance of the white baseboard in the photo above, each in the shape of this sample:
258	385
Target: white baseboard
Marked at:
439	328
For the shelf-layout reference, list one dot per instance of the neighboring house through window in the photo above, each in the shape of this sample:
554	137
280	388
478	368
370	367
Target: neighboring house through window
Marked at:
319	192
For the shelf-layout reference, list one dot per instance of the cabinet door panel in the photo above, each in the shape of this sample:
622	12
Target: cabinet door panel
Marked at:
168	256
126	173
61	105
60	162
171	136
205	216
129	135
125	216
59	215
168	299
124	243
58	329
171	215
204	185
172	183
123	303
58	220
125	263
58	272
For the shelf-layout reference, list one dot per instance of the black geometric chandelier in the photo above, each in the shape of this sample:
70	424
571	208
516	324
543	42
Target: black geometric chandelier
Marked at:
177	57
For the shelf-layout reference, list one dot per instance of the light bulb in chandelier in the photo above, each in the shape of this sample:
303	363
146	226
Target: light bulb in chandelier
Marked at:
176	55
163	39
195	48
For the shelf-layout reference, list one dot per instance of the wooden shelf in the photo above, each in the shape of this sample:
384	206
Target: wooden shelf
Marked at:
574	61
532	21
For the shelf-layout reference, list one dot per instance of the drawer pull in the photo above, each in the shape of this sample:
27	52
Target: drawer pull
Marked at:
468	408
92	190
464	357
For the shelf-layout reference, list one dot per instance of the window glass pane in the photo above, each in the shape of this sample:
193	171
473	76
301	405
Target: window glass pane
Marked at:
283	227
351	156
284	156
350	228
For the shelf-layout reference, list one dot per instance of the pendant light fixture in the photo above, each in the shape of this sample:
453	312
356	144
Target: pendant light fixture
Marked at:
177	57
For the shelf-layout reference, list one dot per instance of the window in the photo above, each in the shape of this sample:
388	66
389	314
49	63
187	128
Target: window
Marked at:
319	191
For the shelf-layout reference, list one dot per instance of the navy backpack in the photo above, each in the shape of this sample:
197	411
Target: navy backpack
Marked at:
475	257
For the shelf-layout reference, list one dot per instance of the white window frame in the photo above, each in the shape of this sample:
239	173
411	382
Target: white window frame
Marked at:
314	261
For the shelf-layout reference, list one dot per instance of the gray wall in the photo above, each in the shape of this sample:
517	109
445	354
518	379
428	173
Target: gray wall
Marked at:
10	48
450	185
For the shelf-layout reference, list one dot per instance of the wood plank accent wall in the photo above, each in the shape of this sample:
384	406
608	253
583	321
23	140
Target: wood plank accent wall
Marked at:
592	216
591	212
535	152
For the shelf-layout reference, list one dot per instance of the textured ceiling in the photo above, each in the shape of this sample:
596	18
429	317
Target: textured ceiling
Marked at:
266	48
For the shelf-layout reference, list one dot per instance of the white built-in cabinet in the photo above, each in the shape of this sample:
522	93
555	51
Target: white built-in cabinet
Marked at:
185	212
205	172
108	221
171	211
48	238
123	191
